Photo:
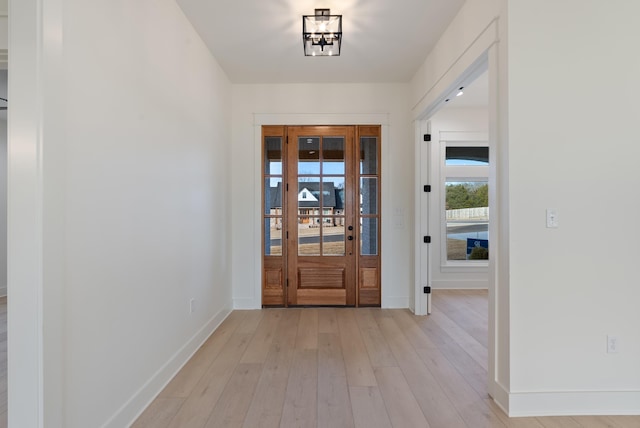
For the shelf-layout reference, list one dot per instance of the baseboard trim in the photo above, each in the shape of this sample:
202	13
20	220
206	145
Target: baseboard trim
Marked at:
133	408
588	403
459	285
500	396
401	302
243	303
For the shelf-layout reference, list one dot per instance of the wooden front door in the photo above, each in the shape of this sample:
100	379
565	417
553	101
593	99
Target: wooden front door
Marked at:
321	216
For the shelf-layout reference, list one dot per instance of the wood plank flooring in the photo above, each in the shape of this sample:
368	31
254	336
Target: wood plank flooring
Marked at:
3	362
339	368
329	367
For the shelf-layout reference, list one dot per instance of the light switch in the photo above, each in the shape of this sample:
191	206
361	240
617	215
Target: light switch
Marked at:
552	217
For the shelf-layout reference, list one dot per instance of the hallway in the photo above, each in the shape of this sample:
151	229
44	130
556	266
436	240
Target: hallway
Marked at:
330	367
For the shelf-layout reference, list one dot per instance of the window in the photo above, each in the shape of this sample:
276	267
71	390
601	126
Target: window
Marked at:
467	219
466	203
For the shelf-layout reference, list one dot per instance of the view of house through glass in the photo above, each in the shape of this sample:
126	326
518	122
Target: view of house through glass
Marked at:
321	179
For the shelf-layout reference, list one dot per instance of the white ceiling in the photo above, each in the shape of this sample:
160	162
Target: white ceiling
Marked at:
474	94
260	41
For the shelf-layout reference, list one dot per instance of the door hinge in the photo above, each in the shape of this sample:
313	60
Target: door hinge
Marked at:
427	188
427	137
427	240
287	282
287	238
427	290
287	187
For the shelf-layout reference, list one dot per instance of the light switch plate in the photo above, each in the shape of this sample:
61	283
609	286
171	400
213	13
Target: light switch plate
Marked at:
552	217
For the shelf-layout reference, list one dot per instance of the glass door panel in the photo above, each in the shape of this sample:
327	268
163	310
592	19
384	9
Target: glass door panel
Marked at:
368	155
308	155
369	195
369	216
369	236
333	156
308	236
272	196
273	216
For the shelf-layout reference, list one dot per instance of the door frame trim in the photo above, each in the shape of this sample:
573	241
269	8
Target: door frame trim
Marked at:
292	119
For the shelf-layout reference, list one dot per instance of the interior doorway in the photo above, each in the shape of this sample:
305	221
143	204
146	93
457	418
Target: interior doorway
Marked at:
321	217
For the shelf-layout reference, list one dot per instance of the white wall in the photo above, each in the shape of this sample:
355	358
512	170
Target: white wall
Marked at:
310	103
134	202
4	32
563	122
574	146
469	122
3	207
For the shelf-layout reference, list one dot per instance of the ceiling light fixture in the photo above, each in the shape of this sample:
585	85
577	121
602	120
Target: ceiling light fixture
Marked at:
322	33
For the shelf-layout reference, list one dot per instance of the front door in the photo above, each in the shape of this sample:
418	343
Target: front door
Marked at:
321	218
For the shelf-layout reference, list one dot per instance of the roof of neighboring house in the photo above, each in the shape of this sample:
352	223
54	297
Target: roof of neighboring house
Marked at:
331	197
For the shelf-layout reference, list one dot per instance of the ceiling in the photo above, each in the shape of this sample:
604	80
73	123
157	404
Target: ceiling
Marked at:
258	41
474	94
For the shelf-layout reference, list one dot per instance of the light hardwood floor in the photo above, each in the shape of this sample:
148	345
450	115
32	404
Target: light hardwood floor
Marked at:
3	362
347	367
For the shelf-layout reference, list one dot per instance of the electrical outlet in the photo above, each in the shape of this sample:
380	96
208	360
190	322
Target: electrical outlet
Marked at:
612	344
192	306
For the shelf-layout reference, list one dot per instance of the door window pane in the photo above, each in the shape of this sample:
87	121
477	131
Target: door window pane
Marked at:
308	155
332	238
273	236
333	155
309	236
369	236
467	214
273	196
369	195
368	155
273	155
309	195
333	195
